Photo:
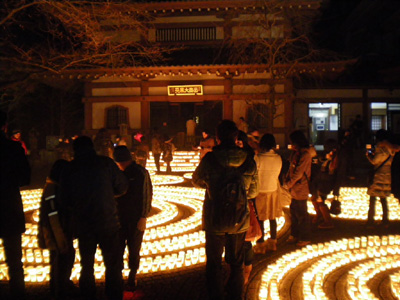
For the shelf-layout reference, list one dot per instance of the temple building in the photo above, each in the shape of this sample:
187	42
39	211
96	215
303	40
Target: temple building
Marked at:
201	82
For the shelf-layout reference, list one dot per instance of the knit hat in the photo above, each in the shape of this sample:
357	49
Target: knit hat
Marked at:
122	153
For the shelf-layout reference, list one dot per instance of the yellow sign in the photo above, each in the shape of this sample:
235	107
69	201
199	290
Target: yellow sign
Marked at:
185	90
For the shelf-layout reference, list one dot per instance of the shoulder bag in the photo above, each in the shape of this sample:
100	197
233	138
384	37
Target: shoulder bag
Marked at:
372	172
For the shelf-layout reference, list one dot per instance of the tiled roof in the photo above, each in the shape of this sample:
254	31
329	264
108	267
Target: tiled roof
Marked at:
219	70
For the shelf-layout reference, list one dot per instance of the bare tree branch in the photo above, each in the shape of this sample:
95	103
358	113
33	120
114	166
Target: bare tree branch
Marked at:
277	35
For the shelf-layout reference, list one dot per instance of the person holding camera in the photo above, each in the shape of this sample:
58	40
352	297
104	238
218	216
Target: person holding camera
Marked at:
380	186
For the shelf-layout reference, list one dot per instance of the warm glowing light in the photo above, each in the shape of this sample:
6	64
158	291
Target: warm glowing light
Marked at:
355	204
184	161
173	237
364	257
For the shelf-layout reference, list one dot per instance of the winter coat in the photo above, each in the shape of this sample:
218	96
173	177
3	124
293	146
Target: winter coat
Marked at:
297	178
156	144
268	202
381	185
168	152
136	203
396	175
54	228
206	146
88	187
269	166
14	173
208	173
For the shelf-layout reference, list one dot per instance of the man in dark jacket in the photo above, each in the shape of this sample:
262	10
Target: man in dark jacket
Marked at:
208	174
14	172
89	185
133	208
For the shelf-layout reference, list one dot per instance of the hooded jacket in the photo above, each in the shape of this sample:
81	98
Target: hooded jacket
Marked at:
208	173
298	176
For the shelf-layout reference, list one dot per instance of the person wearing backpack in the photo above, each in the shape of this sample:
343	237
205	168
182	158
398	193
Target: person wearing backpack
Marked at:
229	175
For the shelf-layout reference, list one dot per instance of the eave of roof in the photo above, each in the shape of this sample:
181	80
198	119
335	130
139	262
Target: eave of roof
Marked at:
219	70
160	7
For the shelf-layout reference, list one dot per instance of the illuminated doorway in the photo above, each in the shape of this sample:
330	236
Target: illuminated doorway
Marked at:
324	121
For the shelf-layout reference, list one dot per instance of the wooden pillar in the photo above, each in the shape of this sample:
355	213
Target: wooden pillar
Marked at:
366	105
289	111
228	103
289	126
144	107
227	109
88	106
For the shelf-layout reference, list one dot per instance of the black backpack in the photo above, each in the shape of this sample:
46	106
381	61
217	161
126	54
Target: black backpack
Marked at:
228	200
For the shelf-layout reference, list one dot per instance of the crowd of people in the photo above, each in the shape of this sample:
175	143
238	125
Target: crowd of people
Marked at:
102	202
100	193
268	181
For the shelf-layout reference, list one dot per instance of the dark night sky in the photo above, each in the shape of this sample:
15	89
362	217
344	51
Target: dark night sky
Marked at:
365	29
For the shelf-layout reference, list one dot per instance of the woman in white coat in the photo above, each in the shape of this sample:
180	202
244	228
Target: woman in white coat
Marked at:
268	205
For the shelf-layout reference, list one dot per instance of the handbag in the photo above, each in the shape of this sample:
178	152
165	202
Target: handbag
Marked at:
372	171
336	207
254	232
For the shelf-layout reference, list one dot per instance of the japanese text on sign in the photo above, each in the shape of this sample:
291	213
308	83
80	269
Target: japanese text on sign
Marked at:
185	90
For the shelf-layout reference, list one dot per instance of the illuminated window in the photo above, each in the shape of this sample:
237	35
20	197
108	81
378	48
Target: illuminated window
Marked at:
116	115
325	119
376	122
378	116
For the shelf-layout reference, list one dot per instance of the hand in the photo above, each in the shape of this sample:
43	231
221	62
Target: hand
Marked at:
141	226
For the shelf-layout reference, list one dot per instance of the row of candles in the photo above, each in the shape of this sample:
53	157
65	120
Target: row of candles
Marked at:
355	204
395	284
184	161
170	241
371	255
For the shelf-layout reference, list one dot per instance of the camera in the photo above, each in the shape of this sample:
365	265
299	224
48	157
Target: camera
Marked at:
370	149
